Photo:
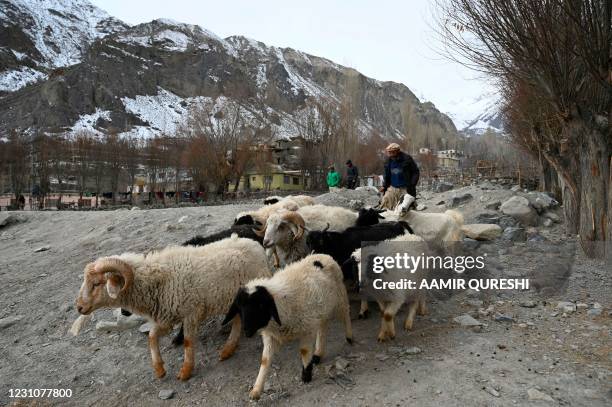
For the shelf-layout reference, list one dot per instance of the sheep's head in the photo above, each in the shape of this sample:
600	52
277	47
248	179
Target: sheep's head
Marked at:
282	228
408	203
321	241
103	283
256	308
368	217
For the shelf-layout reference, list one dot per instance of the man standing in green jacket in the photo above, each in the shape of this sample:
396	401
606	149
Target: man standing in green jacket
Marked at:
333	178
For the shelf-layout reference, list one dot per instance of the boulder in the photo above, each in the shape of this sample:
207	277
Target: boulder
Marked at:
519	208
552	216
7	219
470	244
541	201
493	205
482	231
486	217
515	188
514	234
467	320
487	185
459	199
355	204
502	220
443	186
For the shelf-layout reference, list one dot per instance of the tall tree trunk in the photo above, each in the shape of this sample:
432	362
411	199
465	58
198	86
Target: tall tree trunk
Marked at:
595	183
549	180
569	182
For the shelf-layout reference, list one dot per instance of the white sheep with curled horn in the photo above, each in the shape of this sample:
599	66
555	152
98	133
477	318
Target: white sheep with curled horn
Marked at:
285	233
179	284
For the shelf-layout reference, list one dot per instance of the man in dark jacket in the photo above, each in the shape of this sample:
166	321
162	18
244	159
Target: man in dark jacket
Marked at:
401	176
352	175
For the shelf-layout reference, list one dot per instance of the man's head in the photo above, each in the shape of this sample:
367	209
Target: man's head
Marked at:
349	163
392	150
331	168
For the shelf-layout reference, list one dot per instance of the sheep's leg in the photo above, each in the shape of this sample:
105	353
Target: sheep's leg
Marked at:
387	328
191	331
307	356
269	345
232	341
412	310
345	316
320	344
422	308
382	333
156	359
363	310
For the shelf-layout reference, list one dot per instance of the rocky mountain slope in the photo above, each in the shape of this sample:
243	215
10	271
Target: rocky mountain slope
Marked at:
66	65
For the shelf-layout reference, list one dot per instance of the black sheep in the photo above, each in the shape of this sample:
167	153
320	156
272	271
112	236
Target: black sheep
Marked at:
340	245
368	217
245	231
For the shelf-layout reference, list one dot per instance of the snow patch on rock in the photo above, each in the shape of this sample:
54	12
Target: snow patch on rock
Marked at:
13	80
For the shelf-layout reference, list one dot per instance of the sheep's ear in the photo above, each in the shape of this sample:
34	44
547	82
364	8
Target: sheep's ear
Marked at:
114	284
118	274
234	308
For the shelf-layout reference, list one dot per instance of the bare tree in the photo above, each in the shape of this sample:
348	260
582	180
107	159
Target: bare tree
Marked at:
82	146
560	49
16	161
59	163
41	157
224	142
132	162
98	166
152	162
114	152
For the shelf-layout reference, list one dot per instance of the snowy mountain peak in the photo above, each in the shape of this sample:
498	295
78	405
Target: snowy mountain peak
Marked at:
54	33
477	115
172	36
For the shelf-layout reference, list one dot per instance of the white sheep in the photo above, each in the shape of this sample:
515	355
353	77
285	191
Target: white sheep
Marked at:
301	200
259	216
333	218
298	302
435	228
391	300
284	232
184	284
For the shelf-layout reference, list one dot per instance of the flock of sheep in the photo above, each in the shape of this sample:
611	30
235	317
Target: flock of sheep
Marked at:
278	271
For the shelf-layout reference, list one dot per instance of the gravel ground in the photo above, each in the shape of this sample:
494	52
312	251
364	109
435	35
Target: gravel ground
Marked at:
542	356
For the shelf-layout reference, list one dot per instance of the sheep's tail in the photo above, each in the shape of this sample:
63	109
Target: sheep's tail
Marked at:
328	265
457	216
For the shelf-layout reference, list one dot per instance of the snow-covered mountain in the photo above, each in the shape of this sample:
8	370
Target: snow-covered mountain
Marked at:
66	65
473	116
46	34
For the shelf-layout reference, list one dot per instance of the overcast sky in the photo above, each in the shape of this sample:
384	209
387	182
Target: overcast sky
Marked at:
384	39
